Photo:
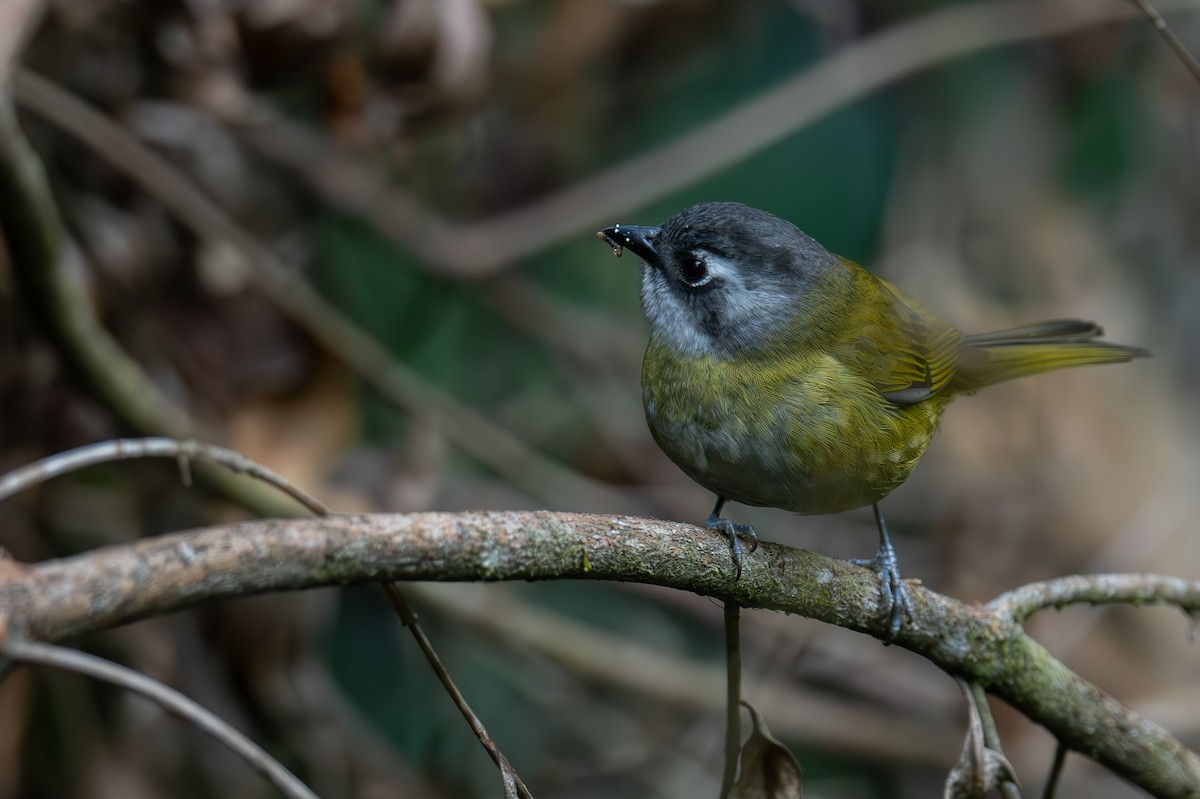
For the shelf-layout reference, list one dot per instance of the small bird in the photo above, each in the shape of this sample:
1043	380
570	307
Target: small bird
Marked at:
780	375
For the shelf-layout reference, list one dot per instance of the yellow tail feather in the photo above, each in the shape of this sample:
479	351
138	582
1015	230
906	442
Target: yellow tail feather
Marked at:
989	358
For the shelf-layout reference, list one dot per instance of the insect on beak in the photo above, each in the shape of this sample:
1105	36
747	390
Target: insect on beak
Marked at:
637	239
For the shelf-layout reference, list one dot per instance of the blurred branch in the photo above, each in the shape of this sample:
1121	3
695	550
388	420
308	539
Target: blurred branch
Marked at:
1056	768
733	696
34	236
17	20
346	183
1098	589
584	334
171	700
535	473
62	598
1169	36
474	250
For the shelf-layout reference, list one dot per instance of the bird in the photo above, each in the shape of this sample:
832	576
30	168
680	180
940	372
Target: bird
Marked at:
778	374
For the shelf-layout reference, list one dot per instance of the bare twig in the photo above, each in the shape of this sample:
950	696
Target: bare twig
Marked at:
1098	589
171	700
513	786
1169	36
128	448
733	695
65	597
1060	759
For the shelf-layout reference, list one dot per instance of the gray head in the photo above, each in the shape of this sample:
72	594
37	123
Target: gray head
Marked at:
723	278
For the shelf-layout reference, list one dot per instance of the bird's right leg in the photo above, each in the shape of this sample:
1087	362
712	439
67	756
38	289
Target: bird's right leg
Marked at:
896	602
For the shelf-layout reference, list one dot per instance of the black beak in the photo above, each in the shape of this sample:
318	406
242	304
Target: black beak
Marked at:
638	240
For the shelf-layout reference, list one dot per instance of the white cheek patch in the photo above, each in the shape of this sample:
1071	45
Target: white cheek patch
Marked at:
670	322
753	311
750	312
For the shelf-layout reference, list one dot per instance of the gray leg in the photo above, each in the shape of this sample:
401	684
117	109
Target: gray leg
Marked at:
895	596
735	533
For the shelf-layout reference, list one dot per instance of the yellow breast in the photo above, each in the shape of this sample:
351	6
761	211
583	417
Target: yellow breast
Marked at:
806	435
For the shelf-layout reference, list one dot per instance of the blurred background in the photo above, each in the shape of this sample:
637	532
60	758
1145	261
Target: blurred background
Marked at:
435	170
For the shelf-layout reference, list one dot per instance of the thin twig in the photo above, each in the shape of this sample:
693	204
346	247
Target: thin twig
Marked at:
171	700
129	448
733	695
1098	589
1172	40
1056	768
513	786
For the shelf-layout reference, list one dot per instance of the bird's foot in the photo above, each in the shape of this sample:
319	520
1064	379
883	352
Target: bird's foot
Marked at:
896	602
735	533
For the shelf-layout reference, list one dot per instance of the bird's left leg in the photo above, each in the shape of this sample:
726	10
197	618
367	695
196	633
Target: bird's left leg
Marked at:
895	596
734	532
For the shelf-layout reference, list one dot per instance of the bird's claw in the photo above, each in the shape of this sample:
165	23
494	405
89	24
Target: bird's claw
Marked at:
896	601
735	533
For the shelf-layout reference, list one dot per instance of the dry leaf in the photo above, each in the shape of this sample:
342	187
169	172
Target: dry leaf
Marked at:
769	770
979	769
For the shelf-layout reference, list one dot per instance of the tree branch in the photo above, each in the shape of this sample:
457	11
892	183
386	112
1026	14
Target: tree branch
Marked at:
114	585
1098	589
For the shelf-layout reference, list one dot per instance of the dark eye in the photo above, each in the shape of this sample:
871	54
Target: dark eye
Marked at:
694	271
